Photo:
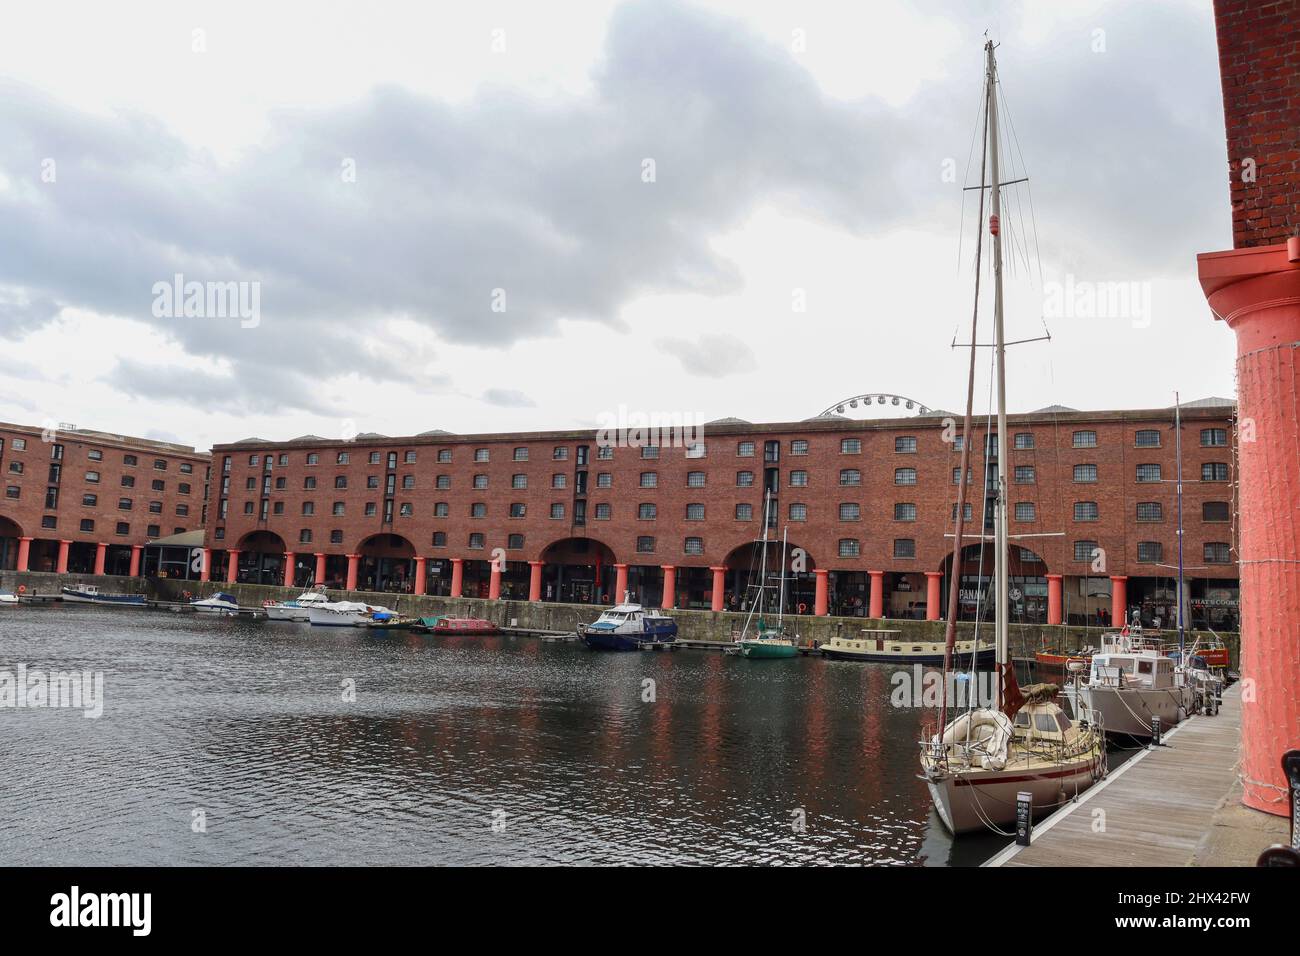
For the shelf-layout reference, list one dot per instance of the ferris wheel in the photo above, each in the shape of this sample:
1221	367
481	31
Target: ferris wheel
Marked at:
869	399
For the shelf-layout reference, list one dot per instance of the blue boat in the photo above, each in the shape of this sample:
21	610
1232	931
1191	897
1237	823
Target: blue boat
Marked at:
90	594
627	627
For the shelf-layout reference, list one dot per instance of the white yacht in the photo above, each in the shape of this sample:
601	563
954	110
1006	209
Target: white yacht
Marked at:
297	609
219	603
1131	682
344	613
8	598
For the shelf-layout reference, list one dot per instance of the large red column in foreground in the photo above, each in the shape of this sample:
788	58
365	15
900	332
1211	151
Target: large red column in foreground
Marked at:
24	553
421	574
1118	600
535	580
821	596
876	607
1256	291
62	566
620	582
457	576
354	568
101	554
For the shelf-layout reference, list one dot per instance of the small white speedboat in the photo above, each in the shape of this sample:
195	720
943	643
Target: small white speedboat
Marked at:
8	598
297	609
345	613
219	603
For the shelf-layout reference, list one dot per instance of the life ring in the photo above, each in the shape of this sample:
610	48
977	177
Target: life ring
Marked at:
803	608
22	589
187	595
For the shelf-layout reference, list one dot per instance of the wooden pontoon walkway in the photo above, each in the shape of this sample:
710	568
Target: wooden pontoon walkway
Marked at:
1158	806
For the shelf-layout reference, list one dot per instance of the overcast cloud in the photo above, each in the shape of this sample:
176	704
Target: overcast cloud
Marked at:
392	230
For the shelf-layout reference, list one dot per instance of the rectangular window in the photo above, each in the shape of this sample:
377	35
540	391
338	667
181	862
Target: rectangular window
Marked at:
444	481
1083	550
850	476
904	547
344	457
1147	438
850	446
560	453
1214	511
904	511
521	454
646	511
695	479
956	476
476	541
1148	473
518	509
1085	474
645	545
850	511
1026	511
1024	474
1149	552
1086	511
1024	440
557	510
444	455
695	512
440	539
481	454
745	449
129	460
1085	439
87	524
123	528
694	546
604	480
905	445
1217	552
905	476
478	510
649	451
798	447
649	479
744	512
604	452
1214	438
441	509
1150	511
1214	471
559	481
602	512
514	542
695	450
312	459
849	548
744	479
798	512
798	479
966	511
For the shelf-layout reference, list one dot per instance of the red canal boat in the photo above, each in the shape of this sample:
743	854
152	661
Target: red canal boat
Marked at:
445	624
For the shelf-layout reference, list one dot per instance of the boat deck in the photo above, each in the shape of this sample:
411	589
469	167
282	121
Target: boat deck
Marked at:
1158	807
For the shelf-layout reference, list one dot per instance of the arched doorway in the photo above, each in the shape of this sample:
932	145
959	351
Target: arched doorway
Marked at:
744	564
10	532
387	564
1027	584
261	558
579	571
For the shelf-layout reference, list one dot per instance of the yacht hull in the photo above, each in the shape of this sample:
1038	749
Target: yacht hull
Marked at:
971	800
768	650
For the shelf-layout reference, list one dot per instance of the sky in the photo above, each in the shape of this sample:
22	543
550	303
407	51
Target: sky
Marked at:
519	216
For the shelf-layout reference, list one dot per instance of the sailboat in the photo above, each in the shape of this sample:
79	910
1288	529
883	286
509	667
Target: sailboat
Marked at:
768	642
976	766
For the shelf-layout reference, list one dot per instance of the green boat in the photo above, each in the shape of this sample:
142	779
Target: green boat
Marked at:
767	642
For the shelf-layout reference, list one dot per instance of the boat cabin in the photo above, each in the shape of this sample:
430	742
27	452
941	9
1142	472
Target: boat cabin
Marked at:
1044	721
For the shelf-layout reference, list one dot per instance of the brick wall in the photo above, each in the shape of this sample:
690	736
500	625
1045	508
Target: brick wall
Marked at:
1054	492
1259	60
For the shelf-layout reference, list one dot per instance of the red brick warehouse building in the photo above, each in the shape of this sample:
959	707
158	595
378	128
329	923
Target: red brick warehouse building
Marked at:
869	505
87	502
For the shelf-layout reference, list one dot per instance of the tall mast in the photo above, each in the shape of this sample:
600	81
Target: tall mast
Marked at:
1000	510
1178	453
780	607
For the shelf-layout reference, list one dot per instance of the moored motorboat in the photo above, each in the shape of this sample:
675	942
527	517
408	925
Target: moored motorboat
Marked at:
90	594
1130	684
453	626
295	610
6	599
886	646
626	627
343	613
219	603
